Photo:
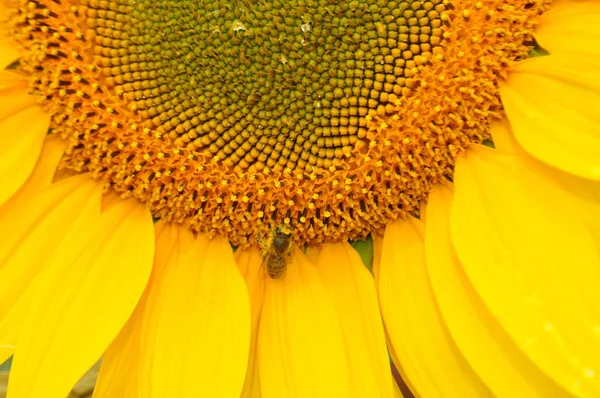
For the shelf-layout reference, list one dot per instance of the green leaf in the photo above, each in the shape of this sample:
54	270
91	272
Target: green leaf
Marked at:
6	365
538	52
365	250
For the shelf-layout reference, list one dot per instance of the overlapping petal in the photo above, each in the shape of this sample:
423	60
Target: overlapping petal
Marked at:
585	193
551	103
87	276
23	126
354	297
428	358
34	230
250	262
571	27
120	371
487	347
9	52
377	247
531	258
43	173
196	325
300	349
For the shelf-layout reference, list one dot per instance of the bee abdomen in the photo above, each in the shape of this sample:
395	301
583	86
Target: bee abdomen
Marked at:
276	266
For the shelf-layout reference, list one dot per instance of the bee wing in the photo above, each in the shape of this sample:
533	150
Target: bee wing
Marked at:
262	270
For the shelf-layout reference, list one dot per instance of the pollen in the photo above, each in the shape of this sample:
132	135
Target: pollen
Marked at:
345	115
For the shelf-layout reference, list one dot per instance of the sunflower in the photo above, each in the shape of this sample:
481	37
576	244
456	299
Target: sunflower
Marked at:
143	140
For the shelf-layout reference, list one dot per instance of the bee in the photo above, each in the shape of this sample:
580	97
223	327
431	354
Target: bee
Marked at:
276	251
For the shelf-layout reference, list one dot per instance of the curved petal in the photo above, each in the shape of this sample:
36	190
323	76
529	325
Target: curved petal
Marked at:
571	27
250	261
312	253
352	290
503	138
42	174
377	247
428	357
40	227
489	349
80	300
533	263
196	327
14	94
120	370
551	103
300	345
5	353
23	126
9	52
584	192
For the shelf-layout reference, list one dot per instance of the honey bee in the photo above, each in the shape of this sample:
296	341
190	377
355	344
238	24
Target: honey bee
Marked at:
276	251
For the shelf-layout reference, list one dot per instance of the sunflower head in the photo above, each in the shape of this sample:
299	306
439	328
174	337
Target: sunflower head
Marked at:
271	125
236	117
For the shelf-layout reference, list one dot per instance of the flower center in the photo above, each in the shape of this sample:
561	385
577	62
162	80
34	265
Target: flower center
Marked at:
236	116
266	84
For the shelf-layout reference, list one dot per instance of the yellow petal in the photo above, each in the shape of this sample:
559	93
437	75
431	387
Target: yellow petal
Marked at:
110	199
23	126
5	353
39	228
585	192
250	261
9	52
571	27
551	103
487	347
80	300
532	260
353	293
196	333
312	253
586	197
377	246
503	138
119	373
430	361
14	94
42	174
300	346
